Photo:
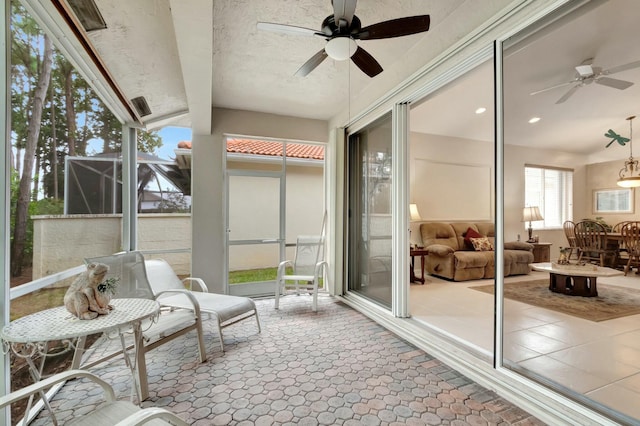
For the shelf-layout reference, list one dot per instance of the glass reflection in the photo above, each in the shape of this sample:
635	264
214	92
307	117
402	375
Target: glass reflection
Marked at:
578	72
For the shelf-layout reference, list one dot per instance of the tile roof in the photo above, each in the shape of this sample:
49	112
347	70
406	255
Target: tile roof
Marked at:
257	147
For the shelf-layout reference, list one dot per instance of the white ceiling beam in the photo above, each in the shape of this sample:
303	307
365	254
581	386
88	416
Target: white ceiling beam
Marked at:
195	49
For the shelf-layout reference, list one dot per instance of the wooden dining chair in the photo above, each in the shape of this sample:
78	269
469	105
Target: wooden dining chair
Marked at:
631	239
570	234
592	241
623	255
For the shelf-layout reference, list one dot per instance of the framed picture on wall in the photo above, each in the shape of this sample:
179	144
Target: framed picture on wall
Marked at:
618	200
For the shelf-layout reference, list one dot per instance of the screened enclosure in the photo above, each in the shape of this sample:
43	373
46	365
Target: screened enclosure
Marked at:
93	185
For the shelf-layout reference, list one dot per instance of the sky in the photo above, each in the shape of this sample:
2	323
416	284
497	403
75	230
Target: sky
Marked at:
170	138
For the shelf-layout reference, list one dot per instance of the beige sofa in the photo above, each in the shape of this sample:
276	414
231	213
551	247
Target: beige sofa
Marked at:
450	257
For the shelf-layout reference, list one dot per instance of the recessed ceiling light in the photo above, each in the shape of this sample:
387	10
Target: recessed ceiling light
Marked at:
534	120
480	110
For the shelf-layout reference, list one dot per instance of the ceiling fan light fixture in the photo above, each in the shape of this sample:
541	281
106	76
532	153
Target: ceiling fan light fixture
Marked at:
584	70
341	48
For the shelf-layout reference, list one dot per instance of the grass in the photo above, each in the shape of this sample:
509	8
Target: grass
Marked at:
254	275
257	275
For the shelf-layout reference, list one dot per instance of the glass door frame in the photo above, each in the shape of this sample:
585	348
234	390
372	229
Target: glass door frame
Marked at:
399	211
263	287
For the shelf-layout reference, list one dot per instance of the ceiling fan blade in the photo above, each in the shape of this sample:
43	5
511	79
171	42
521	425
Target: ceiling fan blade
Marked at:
394	28
623	67
311	64
343	9
568	94
366	62
552	87
288	29
614	82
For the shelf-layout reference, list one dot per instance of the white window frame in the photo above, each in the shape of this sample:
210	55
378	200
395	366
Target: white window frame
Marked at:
541	194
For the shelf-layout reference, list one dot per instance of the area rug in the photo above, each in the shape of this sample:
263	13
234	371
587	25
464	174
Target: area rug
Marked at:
612	301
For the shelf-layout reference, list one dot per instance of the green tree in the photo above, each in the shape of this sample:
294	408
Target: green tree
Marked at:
55	113
26	179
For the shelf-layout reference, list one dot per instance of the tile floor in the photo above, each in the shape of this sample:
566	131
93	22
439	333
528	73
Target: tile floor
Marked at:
598	359
333	367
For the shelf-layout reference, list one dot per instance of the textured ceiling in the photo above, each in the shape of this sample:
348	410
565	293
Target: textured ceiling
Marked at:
609	34
255	69
158	49
187	55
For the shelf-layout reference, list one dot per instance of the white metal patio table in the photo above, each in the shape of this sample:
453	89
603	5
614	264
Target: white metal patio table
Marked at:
28	336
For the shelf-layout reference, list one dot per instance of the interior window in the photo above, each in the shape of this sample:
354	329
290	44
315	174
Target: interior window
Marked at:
551	190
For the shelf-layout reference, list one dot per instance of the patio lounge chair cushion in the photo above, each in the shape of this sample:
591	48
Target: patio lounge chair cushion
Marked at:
222	306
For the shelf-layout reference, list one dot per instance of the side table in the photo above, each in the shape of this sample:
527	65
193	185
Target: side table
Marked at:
541	252
417	252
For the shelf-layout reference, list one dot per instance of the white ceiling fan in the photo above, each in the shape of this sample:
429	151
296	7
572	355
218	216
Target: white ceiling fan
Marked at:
587	74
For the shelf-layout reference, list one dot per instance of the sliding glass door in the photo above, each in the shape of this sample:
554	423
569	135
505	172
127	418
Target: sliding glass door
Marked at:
370	219
568	79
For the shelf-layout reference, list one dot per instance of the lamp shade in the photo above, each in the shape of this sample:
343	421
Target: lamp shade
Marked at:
531	214
629	182
414	213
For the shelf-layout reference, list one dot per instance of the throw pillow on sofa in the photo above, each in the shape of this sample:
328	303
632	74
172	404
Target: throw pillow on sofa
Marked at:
471	233
482	244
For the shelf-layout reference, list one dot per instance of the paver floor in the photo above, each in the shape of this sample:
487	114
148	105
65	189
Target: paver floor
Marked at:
333	367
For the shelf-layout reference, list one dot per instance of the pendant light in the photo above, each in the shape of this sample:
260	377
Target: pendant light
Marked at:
629	174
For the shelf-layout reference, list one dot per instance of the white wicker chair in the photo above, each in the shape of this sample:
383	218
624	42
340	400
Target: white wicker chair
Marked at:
111	412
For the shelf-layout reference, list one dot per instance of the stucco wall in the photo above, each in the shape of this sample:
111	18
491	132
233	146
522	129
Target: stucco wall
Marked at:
303	211
62	242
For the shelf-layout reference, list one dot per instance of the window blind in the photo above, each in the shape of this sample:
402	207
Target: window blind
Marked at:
551	189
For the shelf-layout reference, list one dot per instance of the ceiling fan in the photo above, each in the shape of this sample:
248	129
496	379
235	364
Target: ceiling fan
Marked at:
343	28
587	74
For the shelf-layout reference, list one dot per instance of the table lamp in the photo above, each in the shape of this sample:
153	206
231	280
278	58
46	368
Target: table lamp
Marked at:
414	214
530	214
